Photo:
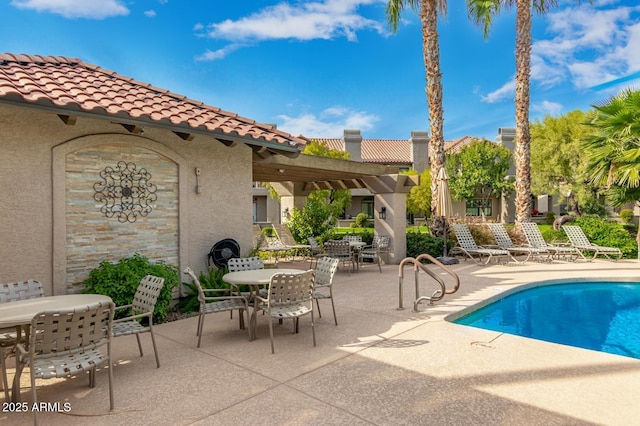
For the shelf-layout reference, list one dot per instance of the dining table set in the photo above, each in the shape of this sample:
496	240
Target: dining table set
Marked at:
19	314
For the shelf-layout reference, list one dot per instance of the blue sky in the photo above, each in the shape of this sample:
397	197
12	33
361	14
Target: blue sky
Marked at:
318	67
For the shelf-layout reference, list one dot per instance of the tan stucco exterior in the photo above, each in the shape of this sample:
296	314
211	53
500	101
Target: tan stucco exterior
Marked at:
42	177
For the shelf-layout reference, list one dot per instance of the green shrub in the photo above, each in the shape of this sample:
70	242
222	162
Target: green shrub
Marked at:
120	281
551	216
362	220
418	244
626	215
213	279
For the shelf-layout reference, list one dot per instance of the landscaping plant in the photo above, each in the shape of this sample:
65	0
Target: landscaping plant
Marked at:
120	281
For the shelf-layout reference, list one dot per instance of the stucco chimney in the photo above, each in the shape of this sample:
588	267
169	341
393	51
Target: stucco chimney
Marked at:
353	144
420	150
506	137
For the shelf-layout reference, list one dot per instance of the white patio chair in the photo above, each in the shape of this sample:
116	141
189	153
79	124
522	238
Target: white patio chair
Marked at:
379	245
341	250
246	264
325	271
142	306
9	337
504	241
217	300
67	342
467	246
317	251
579	240
290	297
535	239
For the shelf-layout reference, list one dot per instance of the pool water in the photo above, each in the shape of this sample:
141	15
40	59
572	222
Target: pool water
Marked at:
602	316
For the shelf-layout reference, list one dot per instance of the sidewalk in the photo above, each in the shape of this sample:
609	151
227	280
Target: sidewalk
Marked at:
380	365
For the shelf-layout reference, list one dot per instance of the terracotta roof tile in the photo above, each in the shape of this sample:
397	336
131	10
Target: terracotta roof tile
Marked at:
390	151
72	85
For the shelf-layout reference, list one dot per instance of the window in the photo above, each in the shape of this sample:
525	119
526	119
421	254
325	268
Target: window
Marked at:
367	206
474	207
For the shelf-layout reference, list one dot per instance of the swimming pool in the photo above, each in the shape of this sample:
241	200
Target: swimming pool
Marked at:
598	315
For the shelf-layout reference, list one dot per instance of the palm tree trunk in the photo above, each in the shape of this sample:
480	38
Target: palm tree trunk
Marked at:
431	51
523	137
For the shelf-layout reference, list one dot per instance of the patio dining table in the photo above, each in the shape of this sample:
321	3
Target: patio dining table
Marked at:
255	278
356	246
20	313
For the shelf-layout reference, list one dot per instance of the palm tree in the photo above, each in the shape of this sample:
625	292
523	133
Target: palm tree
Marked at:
482	11
613	152
428	10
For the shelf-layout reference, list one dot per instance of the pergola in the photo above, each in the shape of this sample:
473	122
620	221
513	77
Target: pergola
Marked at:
295	177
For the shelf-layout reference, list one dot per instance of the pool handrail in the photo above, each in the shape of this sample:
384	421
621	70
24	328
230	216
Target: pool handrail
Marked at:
417	266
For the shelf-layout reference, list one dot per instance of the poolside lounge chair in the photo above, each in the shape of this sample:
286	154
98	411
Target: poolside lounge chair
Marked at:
535	239
504	242
468	246
580	241
284	234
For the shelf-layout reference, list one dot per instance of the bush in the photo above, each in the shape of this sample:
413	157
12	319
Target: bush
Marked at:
551	216
120	281
362	220
418	244
626	215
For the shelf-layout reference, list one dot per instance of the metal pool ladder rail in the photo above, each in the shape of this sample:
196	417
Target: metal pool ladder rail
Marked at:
417	266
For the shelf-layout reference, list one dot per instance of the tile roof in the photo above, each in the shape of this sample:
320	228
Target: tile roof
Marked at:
390	151
74	87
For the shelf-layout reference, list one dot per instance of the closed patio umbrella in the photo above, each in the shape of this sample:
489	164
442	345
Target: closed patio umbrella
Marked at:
444	209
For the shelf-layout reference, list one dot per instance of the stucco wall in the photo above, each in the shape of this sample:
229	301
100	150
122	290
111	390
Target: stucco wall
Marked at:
36	151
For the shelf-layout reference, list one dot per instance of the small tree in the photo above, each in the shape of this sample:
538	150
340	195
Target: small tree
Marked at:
479	170
335	200
419	199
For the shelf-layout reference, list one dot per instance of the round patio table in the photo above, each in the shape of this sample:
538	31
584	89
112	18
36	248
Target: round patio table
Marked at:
255	278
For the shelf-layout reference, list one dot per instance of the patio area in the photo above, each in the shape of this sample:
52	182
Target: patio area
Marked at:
380	365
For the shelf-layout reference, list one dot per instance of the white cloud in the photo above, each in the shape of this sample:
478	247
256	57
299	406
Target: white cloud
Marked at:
547	107
304	21
214	55
150	13
330	123
75	8
587	45
506	91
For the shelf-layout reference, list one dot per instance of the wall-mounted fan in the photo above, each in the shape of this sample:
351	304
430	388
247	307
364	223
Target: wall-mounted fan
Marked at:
222	251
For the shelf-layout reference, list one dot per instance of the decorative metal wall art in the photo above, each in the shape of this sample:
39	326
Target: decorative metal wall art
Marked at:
125	192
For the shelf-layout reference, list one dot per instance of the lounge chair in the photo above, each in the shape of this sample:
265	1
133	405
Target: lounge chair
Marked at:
535	239
467	246
284	234
580	241
504	242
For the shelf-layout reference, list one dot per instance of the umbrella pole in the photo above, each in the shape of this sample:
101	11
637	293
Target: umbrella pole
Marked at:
444	251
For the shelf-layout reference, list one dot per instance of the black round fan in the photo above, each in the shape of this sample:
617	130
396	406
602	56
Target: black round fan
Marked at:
222	251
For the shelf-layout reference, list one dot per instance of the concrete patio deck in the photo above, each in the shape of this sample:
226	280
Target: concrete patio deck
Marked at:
379	366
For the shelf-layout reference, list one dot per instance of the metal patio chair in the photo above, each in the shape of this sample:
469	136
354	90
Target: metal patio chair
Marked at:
64	343
378	246
9	337
579	240
142	306
535	239
341	250
217	300
504	241
290	297
467	246
325	271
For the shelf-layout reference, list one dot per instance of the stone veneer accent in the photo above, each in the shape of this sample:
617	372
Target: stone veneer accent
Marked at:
92	237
